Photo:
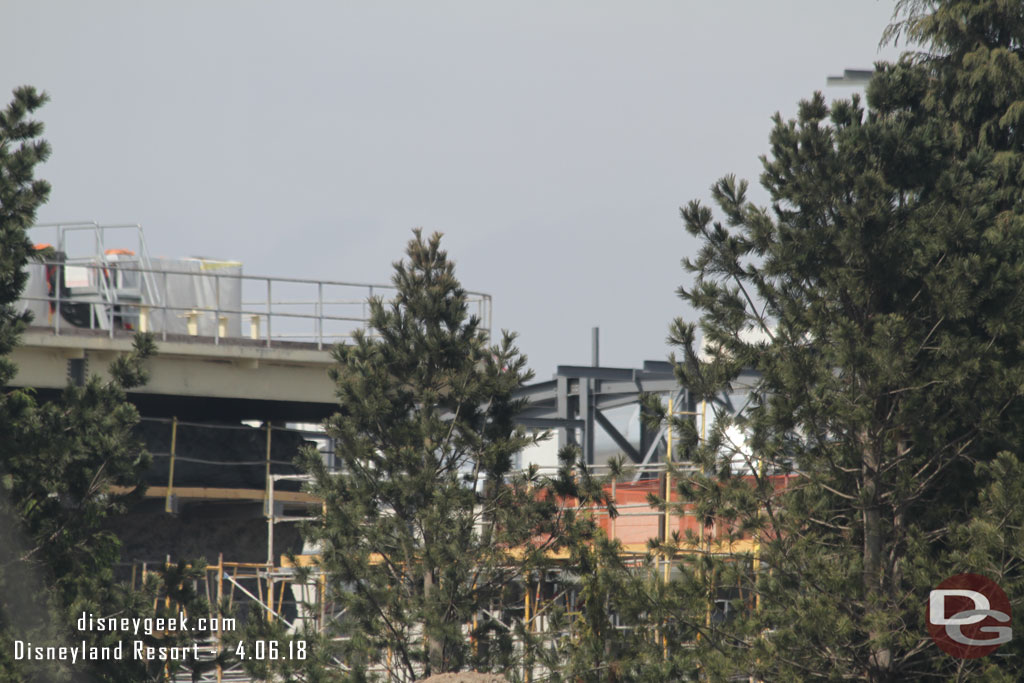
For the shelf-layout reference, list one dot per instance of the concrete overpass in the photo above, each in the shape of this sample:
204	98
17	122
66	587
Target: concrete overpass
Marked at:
190	377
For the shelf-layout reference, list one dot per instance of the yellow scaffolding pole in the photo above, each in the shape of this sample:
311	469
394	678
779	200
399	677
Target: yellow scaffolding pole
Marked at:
668	489
168	507
529	628
757	544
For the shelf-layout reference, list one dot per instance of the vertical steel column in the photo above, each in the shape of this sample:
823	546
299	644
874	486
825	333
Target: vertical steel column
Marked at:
587	415
268	504
590	404
270	526
565	437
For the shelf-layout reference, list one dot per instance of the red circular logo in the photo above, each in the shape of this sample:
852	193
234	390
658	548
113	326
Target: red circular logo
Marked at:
969	616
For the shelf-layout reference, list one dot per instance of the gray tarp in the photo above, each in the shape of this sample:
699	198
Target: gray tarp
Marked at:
36	288
198	289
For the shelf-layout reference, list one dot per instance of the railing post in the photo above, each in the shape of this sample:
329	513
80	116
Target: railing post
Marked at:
59	280
192	322
163	308
269	309
319	315
365	315
216	313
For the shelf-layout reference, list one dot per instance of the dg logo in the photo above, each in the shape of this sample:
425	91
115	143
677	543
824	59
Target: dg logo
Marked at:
969	616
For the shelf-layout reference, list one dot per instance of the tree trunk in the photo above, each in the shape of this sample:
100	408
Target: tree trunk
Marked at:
881	658
435	663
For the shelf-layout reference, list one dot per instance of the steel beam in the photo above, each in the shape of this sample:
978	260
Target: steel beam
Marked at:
617	437
563	412
586	411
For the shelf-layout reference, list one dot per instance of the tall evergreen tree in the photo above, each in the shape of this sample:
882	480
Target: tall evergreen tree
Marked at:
880	297
21	150
427	528
57	459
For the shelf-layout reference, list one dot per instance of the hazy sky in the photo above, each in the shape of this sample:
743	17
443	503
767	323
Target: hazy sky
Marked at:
552	142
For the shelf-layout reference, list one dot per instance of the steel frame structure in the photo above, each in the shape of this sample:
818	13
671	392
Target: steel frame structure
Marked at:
576	399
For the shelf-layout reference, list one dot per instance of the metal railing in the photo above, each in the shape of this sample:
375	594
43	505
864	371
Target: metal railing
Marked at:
322	312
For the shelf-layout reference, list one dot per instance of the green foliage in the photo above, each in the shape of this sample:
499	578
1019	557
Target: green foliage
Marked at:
628	617
305	655
57	463
427	528
58	460
21	194
880	298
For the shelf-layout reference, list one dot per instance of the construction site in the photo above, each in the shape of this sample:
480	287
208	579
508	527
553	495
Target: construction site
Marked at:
237	394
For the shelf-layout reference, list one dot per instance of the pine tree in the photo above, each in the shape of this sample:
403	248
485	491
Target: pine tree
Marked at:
58	459
627	617
880	299
21	194
427	528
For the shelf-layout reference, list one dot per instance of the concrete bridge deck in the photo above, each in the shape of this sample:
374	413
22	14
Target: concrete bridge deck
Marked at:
190	377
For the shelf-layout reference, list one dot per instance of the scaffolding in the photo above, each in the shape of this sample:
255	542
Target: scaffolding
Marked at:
291	589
